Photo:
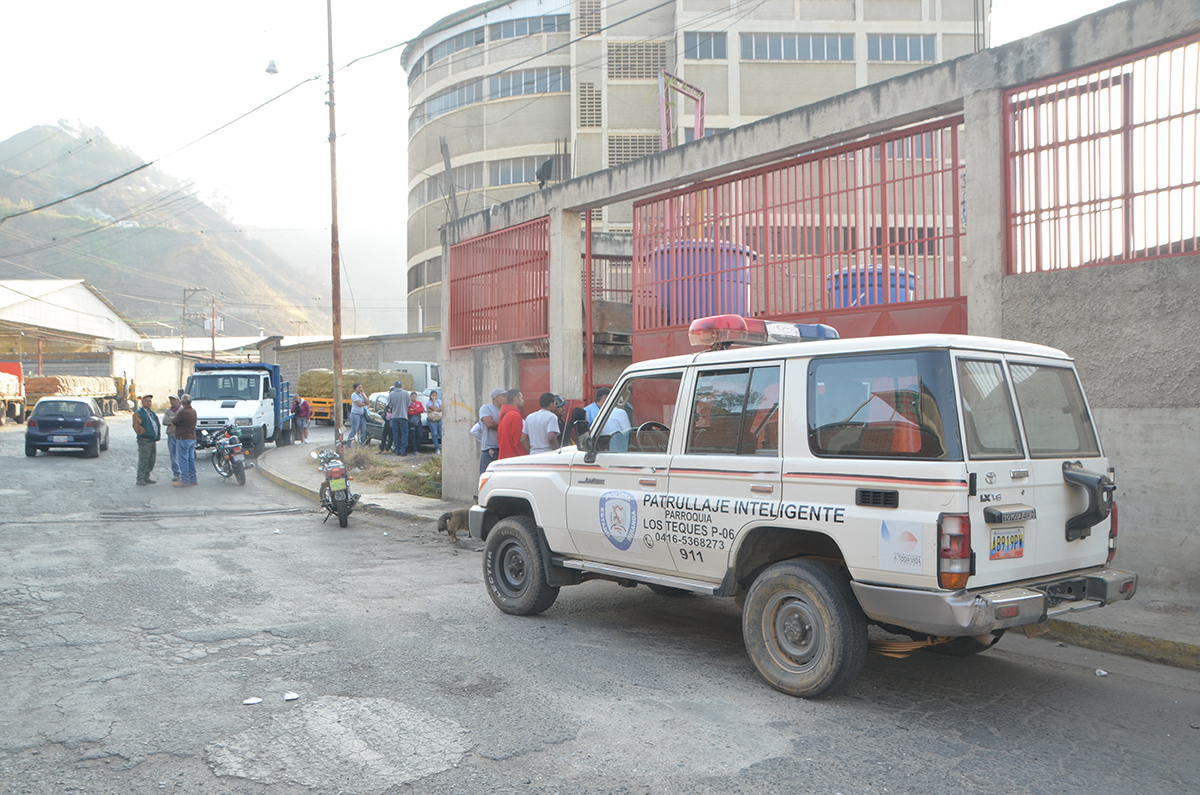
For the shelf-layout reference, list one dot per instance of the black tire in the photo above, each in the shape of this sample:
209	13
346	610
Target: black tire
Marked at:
239	472
216	462
283	437
513	570
259	443
966	645
803	629
666	590
343	512
104	445
93	451
30	450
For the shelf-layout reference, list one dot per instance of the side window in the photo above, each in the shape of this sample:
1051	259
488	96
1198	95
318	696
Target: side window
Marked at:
736	412
897	405
636	419
988	420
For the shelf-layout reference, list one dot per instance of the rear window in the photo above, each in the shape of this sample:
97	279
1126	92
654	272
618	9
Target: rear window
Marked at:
897	405
1056	417
61	408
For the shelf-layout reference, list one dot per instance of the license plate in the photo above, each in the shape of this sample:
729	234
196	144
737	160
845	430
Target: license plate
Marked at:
238	456
1008	543
337	484
62	438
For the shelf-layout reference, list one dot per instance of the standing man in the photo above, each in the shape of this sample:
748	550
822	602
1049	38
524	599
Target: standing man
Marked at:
149	431
489	418
511	426
593	408
185	441
398	406
303	412
433	412
541	427
358	414
415	409
169	422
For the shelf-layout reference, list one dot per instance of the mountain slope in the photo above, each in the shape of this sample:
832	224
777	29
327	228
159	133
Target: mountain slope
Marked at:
140	240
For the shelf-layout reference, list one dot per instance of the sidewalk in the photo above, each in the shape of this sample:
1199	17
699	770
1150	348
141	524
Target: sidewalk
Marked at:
1154	626
293	468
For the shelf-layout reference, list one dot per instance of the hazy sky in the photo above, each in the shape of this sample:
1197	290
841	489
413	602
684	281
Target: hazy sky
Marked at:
156	75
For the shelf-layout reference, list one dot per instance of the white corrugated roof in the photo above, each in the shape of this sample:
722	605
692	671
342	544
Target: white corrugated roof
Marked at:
14	291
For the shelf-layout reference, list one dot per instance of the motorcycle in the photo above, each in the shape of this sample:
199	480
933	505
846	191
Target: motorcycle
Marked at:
335	494
228	457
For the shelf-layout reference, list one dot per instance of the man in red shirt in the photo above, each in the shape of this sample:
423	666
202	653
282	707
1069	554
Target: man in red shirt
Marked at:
512	425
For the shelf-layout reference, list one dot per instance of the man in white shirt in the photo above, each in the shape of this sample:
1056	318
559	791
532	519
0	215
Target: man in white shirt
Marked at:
541	433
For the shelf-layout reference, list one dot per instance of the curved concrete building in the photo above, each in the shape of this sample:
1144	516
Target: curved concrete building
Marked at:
510	93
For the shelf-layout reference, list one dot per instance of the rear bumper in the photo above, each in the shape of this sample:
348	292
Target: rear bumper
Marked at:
979	612
79	439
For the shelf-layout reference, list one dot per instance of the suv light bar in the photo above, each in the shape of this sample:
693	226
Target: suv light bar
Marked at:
722	331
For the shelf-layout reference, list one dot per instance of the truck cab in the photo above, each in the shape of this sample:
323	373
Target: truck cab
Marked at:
945	488
250	396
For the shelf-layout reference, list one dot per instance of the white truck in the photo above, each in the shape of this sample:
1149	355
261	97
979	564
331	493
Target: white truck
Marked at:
251	396
944	488
426	375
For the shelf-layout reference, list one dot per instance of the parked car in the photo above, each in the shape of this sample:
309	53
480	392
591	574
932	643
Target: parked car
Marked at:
62	422
377	403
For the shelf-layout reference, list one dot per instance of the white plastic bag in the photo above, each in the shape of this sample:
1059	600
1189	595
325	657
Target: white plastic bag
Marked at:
477	432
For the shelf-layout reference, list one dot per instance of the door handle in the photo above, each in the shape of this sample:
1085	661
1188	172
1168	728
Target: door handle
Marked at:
648	481
762	488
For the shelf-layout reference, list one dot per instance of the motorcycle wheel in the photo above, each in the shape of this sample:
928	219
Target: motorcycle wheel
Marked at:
239	472
343	512
223	468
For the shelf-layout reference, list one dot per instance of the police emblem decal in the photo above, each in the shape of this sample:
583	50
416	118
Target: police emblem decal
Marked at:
618	518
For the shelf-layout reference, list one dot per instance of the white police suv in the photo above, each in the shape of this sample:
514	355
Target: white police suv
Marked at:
942	487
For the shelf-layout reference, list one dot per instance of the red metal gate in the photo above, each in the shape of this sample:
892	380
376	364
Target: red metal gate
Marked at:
866	237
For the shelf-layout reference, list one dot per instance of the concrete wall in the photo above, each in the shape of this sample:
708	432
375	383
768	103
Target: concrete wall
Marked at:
357	354
1133	332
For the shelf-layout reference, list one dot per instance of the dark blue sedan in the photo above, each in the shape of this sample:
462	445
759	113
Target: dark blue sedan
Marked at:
62	422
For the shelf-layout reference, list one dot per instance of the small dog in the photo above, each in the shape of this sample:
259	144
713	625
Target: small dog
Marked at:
454	522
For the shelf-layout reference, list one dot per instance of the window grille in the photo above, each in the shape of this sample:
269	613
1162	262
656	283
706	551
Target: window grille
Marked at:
901	47
590	105
797	47
704	46
546	80
589	17
528	26
636	59
625	147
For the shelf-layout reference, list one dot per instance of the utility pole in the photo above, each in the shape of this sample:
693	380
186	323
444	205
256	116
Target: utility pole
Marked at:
187	291
213	300
335	253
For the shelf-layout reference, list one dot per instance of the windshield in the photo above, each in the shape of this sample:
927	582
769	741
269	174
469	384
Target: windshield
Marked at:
224	387
1056	418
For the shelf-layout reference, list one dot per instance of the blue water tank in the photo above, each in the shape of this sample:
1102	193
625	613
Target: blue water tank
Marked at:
699	278
864	286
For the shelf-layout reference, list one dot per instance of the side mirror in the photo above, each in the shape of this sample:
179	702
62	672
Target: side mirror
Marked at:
271	392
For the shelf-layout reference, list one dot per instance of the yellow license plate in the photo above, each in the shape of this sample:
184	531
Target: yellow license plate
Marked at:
1007	543
337	484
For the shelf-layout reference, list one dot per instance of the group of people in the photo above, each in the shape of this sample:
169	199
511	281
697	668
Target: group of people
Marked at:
180	423
503	433
401	419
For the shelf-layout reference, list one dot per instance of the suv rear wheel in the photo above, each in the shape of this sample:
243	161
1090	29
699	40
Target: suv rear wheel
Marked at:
803	629
513	569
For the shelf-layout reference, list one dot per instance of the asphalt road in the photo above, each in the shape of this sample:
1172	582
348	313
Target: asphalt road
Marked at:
133	627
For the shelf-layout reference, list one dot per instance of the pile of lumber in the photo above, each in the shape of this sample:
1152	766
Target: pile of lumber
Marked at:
78	385
319	383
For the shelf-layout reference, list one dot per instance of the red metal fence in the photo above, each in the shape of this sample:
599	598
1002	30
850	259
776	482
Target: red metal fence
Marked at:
612	278
874	225
499	286
1102	163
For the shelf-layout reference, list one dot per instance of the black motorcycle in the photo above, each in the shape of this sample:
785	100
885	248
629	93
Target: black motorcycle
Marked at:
228	456
335	489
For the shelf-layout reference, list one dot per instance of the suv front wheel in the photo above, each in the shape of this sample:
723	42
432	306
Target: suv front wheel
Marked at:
803	628
513	568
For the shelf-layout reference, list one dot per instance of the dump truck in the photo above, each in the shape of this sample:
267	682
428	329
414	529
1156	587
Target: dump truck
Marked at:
316	386
251	396
12	392
111	394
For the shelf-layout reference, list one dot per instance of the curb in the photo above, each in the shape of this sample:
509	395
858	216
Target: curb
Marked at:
1127	644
